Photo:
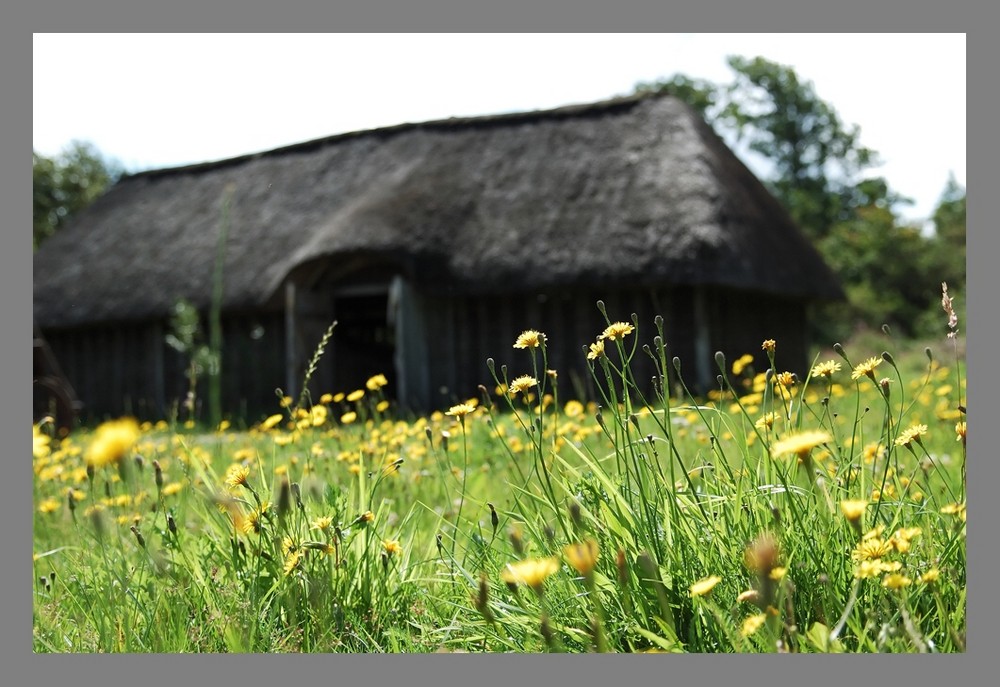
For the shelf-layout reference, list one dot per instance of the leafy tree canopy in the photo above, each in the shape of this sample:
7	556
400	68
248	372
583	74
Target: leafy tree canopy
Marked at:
891	272
65	184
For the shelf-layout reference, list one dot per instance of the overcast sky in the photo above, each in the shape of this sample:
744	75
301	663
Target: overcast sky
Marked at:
160	100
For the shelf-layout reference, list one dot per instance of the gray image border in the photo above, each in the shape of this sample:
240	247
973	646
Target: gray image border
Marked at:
22	666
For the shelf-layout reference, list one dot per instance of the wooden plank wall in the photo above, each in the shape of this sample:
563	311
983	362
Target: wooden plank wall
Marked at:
443	341
130	370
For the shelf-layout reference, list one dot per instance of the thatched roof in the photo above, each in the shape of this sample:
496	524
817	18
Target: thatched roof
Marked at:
636	190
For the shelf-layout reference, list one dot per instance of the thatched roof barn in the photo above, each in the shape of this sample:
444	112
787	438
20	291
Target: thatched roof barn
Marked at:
433	245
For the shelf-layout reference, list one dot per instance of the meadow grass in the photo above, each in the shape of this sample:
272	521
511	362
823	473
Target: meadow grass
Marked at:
775	514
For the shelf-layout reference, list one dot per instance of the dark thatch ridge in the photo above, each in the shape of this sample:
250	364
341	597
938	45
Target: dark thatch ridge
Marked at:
632	191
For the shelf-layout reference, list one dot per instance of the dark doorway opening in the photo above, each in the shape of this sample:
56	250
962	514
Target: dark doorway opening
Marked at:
365	342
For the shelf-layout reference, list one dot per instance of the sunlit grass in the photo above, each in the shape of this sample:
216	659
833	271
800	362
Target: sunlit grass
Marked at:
774	514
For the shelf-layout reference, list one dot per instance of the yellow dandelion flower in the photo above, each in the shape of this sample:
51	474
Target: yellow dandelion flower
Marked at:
825	369
326	398
596	350
853	509
874	568
873	533
954	509
872	452
41	441
377	382
866	369
767	421
801	443
522	384
910	435
237	475
960	431
348	417
253	522
355	395
49	505
271	421
286	401
785	379
392	546
752	624
531	572
317	415
337	398
382	406
573	409
616	331
367	516
769	345
930	576
871	549
288	546
582	556
530	339
460	410
705	585
741	363
112	442
321	523
778	573
292	561
896	581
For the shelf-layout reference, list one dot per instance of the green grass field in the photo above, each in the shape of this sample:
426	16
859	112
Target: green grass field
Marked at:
778	514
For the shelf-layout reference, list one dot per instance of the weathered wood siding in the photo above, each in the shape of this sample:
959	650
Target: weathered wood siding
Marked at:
128	369
442	344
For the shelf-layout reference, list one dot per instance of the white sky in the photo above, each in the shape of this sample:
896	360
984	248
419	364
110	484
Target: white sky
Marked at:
160	100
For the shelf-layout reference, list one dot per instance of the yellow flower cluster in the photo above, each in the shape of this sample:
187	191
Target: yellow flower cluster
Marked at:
112	442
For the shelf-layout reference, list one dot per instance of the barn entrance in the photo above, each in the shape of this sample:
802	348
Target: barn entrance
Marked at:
365	339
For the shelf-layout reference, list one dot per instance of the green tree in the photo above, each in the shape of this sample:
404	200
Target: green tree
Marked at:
891	272
948	246
949	216
817	158
887	270
65	184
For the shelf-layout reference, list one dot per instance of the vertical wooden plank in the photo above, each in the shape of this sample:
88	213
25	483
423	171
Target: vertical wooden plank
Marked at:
291	358
445	374
667	303
82	372
119	362
155	359
462	358
415	319
702	339
484	342
584	333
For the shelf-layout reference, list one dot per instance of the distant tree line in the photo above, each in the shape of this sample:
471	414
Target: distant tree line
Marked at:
67	183
890	270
